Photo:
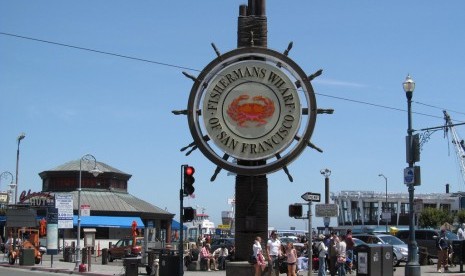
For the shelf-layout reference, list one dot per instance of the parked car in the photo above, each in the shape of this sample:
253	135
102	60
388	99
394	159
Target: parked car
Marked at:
427	238
399	248
286	240
124	248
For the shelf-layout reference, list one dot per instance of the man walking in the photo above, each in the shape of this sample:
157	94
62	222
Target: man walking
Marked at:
273	250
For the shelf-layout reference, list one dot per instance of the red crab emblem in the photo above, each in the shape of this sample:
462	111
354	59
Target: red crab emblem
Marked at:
256	111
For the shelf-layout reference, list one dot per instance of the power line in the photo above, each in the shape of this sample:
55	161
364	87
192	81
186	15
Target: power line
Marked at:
378	105
442	108
197	70
99	52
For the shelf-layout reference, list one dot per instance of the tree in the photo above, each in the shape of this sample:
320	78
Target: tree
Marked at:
434	218
461	217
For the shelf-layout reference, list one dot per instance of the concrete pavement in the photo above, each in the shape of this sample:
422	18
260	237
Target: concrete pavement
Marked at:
117	268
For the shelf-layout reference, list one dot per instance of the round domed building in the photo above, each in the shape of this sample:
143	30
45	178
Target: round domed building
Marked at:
106	205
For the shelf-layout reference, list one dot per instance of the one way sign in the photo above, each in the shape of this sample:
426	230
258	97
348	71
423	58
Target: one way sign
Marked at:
311	197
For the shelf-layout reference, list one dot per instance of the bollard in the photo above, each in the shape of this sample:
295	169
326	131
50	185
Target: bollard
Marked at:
84	256
89	258
105	256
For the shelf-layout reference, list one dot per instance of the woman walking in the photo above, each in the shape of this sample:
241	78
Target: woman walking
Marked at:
258	254
291	255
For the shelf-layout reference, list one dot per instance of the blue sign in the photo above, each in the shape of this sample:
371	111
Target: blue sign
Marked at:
409	176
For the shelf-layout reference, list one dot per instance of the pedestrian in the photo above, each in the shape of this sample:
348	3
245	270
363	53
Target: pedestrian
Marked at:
220	255
291	255
273	250
260	264
193	255
322	250
332	253
206	256
443	254
341	255
350	249
461	232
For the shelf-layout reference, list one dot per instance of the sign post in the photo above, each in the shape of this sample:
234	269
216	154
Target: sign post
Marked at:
310	197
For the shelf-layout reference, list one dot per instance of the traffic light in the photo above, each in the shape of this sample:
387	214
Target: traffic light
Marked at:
295	210
189	180
189	214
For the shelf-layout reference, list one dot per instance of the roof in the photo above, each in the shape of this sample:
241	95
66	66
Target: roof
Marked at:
115	201
75	165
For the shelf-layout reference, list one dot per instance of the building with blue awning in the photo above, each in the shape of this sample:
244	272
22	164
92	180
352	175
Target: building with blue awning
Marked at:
112	208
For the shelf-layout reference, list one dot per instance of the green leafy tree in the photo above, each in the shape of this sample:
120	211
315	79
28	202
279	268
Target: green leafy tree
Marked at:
434	218
461	216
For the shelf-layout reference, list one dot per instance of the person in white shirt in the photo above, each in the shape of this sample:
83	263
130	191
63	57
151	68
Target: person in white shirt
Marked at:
220	254
322	250
461	232
273	249
341	248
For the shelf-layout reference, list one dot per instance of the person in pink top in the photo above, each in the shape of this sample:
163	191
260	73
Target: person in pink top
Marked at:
207	256
291	256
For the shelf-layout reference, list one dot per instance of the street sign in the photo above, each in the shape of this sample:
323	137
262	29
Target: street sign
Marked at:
326	210
409	176
64	204
417	205
311	197
412	176
85	210
386	216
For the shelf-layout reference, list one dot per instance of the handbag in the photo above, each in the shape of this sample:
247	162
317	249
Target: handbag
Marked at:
252	259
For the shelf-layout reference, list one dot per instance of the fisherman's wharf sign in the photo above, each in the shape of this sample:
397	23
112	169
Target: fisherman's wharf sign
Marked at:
251	110
252	104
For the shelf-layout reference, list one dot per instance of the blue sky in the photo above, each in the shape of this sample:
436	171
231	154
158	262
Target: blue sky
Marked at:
71	102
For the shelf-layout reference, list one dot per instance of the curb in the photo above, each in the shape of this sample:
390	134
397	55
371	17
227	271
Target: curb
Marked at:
53	270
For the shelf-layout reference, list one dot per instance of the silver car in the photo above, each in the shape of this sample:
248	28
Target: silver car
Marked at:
399	248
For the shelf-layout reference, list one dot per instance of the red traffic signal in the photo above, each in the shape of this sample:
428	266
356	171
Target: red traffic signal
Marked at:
189	171
189	180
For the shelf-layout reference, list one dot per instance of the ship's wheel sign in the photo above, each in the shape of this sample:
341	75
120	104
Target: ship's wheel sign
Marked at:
251	104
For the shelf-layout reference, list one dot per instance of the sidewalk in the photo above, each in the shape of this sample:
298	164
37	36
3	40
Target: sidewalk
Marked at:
117	268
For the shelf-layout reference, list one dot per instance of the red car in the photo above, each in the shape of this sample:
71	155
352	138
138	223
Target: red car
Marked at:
124	248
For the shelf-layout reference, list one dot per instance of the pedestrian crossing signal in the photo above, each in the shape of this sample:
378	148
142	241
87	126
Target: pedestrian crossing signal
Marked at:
189	214
295	210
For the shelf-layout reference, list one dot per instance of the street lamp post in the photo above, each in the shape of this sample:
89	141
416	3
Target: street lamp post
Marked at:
20	137
412	268
326	173
386	207
89	159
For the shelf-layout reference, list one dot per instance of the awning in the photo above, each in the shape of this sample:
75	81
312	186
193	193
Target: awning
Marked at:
175	225
106	221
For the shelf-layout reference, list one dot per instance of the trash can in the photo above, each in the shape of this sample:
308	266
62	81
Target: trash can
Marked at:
168	265
458	249
66	254
387	263
27	256
84	255
423	255
369	260
131	266
152	266
105	256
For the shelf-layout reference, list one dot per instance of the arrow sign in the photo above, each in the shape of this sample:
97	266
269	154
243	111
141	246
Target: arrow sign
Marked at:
311	197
